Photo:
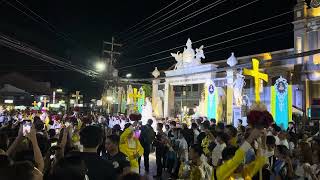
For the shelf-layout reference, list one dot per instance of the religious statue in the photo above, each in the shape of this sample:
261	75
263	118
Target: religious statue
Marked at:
178	57
146	113
237	88
130	101
188	58
129	98
158	110
188	53
141	98
199	55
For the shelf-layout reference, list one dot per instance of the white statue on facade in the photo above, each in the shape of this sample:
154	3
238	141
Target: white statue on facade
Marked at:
199	55
189	57
178	57
146	113
238	85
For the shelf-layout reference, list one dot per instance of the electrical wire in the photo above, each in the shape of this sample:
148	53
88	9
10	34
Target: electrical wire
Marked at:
49	26
201	23
162	16
219	34
33	52
162	20
144	20
257	32
181	20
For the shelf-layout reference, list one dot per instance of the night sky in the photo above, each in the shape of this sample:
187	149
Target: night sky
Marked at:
79	27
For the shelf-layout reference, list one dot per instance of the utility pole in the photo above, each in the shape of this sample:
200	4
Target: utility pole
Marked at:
111	72
112	51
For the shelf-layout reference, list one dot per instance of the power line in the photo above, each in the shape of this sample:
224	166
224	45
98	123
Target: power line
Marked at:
36	53
148	18
162	20
148	62
50	26
216	35
162	16
181	20
174	34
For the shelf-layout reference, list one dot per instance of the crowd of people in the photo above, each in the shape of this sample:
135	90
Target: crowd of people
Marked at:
95	147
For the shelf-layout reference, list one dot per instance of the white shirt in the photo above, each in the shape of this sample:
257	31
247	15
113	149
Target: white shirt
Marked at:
183	149
284	142
196	134
217	153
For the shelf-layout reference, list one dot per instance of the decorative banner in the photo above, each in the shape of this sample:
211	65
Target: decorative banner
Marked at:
141	95
211	101
281	102
254	72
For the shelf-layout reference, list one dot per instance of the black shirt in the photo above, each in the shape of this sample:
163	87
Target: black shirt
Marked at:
119	162
98	168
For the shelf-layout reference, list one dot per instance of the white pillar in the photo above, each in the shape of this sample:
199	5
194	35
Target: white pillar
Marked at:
229	96
166	100
155	90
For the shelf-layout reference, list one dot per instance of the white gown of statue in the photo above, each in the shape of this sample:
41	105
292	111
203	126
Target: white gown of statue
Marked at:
146	112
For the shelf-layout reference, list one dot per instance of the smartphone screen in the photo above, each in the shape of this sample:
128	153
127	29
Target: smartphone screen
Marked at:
52	156
54	144
26	127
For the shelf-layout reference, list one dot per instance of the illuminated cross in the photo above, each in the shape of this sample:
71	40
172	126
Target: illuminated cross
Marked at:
254	72
45	102
77	96
35	104
135	95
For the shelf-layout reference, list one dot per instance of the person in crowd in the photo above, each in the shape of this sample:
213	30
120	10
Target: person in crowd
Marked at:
233	157
119	160
71	167
271	144
181	152
90	139
221	141
283	139
160	144
204	127
220	127
199	169
167	129
232	132
146	139
196	132
131	147
282	168
187	134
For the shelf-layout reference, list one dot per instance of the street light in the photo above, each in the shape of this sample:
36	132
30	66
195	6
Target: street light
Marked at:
129	75
100	66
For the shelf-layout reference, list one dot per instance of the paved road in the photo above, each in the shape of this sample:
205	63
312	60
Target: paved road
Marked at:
152	168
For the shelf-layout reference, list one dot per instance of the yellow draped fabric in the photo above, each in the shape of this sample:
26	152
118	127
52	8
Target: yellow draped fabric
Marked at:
130	146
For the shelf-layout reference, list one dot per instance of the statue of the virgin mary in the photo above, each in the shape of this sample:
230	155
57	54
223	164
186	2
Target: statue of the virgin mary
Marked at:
146	112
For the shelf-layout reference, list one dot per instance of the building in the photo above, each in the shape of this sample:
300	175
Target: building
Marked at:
296	69
17	89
